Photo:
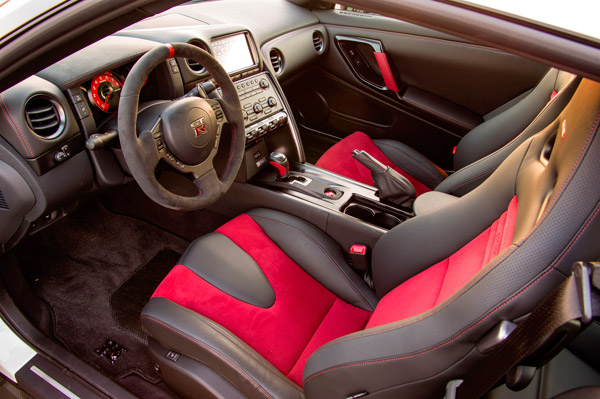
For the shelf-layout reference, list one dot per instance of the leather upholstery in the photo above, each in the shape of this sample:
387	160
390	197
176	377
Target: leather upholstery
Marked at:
554	178
231	269
557	217
481	150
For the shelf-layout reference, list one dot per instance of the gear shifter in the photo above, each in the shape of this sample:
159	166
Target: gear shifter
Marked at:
281	164
393	187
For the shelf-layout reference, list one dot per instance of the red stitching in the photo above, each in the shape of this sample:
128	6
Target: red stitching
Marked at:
428	313
473	325
16	126
223	357
551	268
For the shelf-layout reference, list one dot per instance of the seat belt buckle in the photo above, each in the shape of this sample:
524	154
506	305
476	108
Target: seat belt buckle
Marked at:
587	276
451	388
359	254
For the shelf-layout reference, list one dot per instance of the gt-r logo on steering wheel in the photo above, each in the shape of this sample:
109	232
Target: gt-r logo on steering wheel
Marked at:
199	127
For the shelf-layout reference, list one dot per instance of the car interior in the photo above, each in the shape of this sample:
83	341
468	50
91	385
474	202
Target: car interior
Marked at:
293	199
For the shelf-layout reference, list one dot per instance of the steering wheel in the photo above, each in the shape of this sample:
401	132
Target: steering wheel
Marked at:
185	133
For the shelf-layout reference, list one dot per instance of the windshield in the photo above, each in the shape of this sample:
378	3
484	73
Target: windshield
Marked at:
578	16
16	13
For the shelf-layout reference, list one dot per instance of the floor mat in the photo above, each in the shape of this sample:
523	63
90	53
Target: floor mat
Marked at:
89	260
128	300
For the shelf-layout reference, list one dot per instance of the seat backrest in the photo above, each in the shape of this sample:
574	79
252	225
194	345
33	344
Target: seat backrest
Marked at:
555	178
484	148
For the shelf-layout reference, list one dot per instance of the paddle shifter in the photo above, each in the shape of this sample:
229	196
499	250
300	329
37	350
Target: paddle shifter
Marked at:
281	164
393	187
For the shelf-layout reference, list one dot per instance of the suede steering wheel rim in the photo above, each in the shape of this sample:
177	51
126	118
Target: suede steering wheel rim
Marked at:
186	135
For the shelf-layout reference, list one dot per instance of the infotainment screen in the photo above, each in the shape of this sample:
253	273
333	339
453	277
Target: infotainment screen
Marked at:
232	52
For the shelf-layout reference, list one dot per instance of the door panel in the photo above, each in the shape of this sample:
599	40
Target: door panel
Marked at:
446	85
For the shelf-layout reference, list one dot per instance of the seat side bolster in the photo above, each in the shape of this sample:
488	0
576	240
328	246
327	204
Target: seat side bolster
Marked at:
472	175
412	162
310	248
195	336
425	240
501	129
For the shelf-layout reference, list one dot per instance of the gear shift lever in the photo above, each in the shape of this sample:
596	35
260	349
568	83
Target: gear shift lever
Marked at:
281	164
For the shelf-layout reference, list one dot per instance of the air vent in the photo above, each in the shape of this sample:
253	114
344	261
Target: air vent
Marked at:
318	41
276	60
45	116
196	66
3	203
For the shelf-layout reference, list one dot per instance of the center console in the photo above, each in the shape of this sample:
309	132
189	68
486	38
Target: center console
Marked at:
262	106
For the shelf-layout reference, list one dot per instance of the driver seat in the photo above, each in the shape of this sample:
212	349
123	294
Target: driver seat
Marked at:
267	305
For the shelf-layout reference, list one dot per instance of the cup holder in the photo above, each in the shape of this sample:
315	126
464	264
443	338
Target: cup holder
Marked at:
369	215
386	220
360	212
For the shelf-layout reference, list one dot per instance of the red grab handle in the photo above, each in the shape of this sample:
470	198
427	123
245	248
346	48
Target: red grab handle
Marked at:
386	71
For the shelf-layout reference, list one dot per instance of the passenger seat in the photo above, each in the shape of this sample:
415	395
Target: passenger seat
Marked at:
478	153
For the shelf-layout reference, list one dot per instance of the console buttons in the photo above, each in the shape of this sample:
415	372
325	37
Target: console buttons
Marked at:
267	111
257	108
264	84
271	101
253	117
246	106
245	114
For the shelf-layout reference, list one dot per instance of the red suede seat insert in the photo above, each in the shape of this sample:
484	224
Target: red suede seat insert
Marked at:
338	159
437	283
305	314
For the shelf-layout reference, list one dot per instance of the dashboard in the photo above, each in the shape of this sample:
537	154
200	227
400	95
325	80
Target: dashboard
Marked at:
57	128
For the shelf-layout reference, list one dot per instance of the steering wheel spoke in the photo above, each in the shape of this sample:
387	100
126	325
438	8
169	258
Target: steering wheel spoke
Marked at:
207	182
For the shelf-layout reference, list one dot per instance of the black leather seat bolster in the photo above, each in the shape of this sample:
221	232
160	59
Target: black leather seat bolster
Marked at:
472	175
496	132
429	238
317	254
189	333
412	162
219	261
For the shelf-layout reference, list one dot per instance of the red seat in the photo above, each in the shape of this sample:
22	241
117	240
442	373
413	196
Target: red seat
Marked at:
267	306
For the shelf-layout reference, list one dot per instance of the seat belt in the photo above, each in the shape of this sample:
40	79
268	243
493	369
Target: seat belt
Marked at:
541	335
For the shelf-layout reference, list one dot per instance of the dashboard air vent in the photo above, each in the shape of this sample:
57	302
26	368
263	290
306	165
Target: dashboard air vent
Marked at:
44	116
195	66
318	41
276	60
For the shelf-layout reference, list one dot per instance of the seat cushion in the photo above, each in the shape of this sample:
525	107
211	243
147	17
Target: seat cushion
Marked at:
304	315
338	159
434	285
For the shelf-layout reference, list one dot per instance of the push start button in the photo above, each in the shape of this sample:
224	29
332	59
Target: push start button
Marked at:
332	193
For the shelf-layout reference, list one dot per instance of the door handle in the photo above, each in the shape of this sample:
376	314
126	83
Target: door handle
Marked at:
353	58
